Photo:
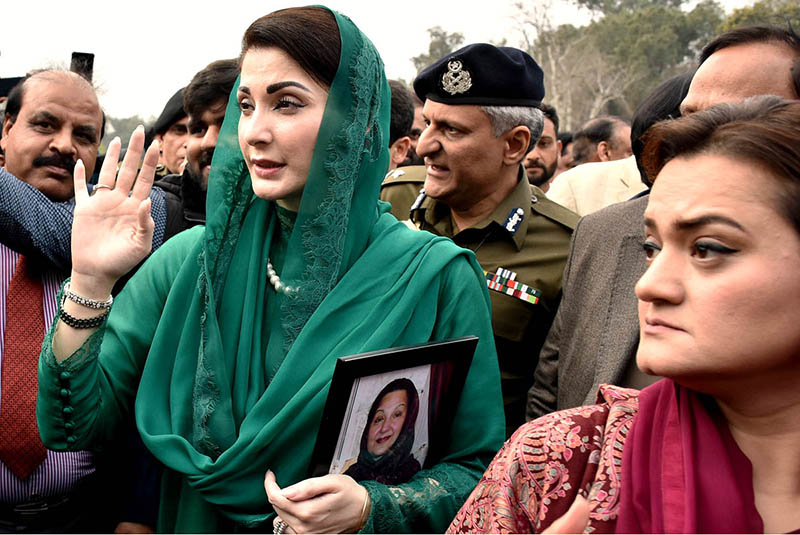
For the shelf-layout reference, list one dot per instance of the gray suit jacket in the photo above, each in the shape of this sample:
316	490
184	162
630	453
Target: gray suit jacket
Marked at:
596	329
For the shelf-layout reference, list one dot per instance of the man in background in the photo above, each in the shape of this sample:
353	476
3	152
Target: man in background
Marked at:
205	100
416	129
601	139
172	132
402	119
541	163
400	132
565	160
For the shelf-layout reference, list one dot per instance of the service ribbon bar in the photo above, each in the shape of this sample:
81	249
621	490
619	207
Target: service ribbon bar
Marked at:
504	282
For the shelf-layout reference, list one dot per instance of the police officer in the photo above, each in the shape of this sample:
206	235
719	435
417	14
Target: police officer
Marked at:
482	119
171	129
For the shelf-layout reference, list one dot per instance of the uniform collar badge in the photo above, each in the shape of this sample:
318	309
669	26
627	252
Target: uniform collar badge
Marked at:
457	79
515	217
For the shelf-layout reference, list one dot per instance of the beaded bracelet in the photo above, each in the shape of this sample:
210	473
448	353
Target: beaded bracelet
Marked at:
82	323
88	303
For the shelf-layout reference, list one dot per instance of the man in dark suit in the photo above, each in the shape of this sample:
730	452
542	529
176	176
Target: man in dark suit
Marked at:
596	330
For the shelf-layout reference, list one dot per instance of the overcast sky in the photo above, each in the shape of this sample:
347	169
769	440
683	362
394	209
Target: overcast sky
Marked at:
144	53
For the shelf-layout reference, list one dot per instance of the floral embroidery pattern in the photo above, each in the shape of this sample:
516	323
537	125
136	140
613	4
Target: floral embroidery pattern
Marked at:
546	463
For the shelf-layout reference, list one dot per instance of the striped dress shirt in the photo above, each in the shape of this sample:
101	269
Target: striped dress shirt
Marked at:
61	471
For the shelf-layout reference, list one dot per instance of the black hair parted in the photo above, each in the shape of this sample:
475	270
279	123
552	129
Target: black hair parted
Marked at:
210	86
551	113
309	35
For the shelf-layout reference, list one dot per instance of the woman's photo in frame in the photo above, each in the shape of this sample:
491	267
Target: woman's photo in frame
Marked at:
385	439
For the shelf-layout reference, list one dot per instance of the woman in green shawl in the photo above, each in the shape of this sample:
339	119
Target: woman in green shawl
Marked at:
224	342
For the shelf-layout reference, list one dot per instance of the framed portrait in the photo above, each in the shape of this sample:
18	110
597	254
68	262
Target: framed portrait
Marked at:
388	412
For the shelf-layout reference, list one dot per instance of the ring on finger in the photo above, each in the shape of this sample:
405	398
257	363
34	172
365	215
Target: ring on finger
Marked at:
101	186
280	526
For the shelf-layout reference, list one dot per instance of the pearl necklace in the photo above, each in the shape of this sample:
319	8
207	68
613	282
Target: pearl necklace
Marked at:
275	280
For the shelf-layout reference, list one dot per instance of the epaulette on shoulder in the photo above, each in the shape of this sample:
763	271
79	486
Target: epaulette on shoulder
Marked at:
412	174
550	209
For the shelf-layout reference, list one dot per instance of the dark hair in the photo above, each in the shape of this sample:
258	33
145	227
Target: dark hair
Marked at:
662	103
411	413
17	94
209	86
309	35
593	132
565	138
760	33
402	111
551	113
762	130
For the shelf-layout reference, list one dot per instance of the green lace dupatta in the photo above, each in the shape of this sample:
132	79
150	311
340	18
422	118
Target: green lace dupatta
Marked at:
209	407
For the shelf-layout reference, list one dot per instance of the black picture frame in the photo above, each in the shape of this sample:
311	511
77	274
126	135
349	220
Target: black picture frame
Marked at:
449	362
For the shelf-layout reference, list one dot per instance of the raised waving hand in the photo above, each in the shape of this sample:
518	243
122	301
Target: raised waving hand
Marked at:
112	230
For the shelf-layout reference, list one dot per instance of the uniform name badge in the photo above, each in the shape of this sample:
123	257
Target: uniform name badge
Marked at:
503	282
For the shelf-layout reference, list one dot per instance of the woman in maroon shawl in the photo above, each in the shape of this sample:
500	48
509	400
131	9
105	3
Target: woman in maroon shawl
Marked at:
714	447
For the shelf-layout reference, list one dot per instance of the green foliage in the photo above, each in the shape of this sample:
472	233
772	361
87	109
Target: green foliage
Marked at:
608	7
631	46
653	42
611	64
442	43
777	12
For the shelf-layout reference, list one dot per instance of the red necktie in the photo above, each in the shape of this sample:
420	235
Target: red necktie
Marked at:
21	449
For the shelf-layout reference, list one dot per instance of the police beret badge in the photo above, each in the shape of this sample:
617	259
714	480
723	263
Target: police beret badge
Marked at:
456	80
484	75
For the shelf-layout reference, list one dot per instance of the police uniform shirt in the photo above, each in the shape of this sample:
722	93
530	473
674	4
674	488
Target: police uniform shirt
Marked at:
401	187
522	246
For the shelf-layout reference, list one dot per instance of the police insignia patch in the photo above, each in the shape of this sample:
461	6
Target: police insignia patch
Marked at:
503	282
456	80
515	217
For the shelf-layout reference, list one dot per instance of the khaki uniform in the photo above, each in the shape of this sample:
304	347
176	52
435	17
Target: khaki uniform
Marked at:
526	238
401	188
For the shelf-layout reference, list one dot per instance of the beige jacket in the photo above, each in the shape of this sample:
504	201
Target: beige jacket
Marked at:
592	186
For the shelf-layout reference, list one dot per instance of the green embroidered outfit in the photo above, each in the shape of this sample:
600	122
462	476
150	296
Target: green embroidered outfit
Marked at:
228	378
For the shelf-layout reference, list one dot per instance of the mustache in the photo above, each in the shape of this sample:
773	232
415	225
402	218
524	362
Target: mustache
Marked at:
538	164
56	160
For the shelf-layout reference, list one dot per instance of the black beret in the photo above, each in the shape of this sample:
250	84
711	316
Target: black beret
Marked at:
485	75
173	112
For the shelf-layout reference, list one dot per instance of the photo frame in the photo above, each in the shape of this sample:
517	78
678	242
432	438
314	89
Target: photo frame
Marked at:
388	412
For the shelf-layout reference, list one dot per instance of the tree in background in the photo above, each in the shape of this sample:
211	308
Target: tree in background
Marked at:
610	7
609	65
442	43
779	12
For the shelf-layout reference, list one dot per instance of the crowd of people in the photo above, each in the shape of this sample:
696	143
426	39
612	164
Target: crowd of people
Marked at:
171	314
